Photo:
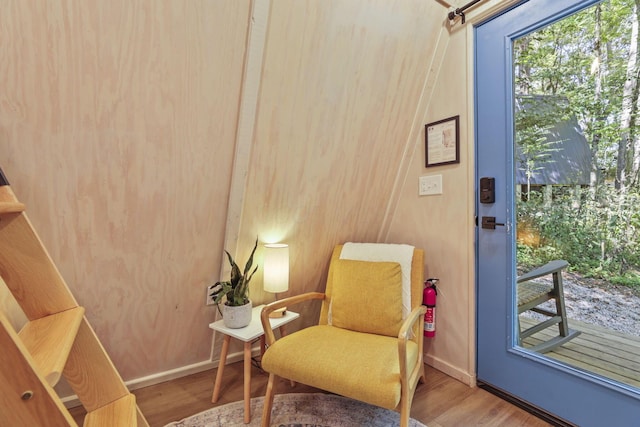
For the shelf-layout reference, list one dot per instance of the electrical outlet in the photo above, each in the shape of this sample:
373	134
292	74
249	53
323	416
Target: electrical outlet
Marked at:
430	185
209	300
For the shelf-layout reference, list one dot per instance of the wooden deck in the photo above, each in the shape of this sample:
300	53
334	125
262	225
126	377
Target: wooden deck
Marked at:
602	351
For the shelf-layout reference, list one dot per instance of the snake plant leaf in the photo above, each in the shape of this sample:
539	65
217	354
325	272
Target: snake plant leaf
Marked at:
249	263
235	270
252	273
219	290
236	289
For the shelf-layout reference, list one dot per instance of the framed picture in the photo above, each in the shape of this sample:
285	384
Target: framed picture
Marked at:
442	142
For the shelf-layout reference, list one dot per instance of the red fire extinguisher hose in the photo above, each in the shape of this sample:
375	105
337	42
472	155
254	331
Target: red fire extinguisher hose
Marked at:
429	299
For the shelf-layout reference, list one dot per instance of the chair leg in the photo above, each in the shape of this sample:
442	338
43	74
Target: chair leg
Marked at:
407	391
563	326
519	328
405	411
268	402
404	417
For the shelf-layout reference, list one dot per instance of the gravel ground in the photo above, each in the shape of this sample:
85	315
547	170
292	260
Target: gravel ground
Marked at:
599	303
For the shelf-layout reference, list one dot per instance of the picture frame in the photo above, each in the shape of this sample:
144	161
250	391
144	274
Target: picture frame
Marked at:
442	142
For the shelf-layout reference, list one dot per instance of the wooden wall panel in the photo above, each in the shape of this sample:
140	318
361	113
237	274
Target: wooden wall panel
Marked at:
450	235
118	124
445	223
117	129
339	92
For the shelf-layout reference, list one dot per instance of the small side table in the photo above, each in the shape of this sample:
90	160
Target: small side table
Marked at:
247	334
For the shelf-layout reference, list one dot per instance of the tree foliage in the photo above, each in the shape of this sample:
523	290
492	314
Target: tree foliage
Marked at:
591	59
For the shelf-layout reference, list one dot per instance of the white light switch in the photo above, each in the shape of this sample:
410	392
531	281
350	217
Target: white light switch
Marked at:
430	185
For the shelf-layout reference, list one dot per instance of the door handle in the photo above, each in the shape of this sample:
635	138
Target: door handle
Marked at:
489	223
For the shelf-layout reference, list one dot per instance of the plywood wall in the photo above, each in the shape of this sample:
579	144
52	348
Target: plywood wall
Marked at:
119	128
339	146
340	89
444	223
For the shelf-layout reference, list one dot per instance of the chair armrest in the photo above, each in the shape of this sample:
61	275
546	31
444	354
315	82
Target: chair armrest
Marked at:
285	302
410	321
405	334
548	268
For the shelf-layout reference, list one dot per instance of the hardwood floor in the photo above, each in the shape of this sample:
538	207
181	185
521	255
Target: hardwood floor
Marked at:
441	402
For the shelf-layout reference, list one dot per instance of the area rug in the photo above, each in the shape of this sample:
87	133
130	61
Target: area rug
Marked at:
299	410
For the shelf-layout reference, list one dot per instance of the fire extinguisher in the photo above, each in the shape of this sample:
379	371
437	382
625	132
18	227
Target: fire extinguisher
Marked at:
429	299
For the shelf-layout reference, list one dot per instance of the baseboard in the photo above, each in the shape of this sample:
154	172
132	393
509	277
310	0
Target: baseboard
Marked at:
160	377
183	371
452	371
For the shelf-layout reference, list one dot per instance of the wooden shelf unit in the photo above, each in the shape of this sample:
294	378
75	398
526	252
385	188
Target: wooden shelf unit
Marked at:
56	341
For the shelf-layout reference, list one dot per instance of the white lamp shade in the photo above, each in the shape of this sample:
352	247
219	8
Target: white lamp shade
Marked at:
276	267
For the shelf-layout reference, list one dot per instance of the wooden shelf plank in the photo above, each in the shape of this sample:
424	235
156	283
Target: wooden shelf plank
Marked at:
27	400
90	372
8	201
11	207
28	270
122	412
49	341
56	341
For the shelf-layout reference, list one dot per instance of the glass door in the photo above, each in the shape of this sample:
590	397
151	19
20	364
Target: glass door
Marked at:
540	155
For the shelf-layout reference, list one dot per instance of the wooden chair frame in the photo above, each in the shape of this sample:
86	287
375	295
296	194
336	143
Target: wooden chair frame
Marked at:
532	294
409	376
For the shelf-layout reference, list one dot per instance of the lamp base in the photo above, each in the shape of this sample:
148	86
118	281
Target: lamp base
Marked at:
278	313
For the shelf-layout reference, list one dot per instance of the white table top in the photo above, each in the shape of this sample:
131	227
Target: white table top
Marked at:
254	329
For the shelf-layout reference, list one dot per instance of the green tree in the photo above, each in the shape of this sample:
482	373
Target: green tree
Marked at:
591	58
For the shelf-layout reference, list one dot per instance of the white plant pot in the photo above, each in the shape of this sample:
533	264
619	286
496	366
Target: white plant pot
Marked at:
236	317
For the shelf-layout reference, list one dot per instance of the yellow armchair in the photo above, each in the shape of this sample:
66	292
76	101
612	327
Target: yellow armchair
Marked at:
367	344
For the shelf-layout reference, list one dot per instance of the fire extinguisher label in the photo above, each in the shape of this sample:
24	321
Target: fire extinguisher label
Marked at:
429	320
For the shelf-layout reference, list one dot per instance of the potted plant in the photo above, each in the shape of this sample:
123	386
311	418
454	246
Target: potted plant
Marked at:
236	310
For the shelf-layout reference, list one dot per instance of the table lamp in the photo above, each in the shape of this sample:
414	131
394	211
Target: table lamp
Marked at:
276	271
